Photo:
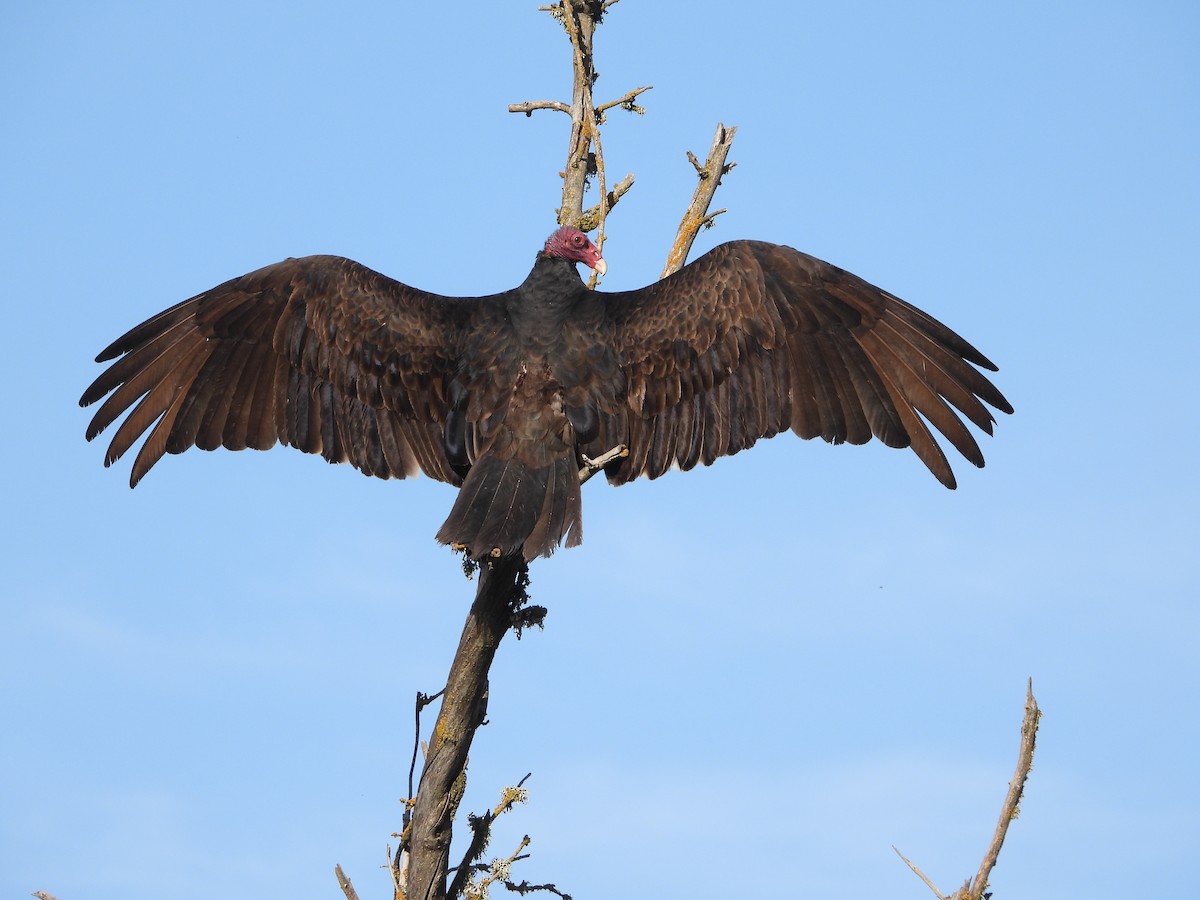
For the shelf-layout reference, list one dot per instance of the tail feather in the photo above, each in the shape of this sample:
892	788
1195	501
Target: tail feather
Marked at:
508	506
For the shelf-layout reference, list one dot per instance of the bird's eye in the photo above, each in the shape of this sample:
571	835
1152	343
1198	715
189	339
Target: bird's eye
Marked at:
578	239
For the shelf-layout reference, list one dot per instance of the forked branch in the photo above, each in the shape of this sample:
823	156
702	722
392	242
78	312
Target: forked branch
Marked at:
481	832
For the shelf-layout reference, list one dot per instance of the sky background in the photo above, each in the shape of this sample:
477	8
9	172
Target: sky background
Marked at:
755	678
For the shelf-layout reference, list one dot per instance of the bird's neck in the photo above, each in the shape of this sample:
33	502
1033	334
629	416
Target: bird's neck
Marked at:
546	298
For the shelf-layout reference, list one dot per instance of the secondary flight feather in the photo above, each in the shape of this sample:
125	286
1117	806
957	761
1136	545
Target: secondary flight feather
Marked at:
504	395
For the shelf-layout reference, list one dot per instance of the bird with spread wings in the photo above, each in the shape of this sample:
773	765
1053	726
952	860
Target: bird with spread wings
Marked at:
506	396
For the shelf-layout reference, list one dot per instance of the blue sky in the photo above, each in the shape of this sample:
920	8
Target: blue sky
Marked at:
764	673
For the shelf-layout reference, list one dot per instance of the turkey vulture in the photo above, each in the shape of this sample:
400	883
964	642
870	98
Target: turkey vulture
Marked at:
504	395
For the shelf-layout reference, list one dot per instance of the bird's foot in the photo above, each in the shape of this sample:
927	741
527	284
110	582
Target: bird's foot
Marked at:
458	547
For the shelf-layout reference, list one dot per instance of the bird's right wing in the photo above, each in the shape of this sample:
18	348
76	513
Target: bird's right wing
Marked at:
752	339
319	353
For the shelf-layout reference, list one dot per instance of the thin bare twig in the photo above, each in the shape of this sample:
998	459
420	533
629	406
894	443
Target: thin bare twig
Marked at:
592	466
422	701
618	191
625	102
530	106
697	215
397	866
925	878
973	889
526	888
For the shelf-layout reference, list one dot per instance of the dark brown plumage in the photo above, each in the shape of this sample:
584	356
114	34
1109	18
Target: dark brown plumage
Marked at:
501	395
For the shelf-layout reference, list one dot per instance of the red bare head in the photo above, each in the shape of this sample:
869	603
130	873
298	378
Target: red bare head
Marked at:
571	243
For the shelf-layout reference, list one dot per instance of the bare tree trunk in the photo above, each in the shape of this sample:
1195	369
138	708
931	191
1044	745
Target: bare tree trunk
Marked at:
421	866
464	706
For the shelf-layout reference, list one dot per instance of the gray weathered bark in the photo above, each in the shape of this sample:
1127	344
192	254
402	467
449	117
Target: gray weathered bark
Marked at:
464	705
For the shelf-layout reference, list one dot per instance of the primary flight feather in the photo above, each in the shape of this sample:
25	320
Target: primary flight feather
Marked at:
503	395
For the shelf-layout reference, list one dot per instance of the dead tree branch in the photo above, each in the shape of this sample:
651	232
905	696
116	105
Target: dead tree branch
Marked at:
530	106
481	833
592	466
526	888
974	888
580	18
423	700
420	866
1016	789
581	162
697	215
626	103
344	883
500	595
585	154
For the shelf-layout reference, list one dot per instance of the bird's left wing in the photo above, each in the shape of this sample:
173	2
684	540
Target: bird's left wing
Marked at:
752	339
319	353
